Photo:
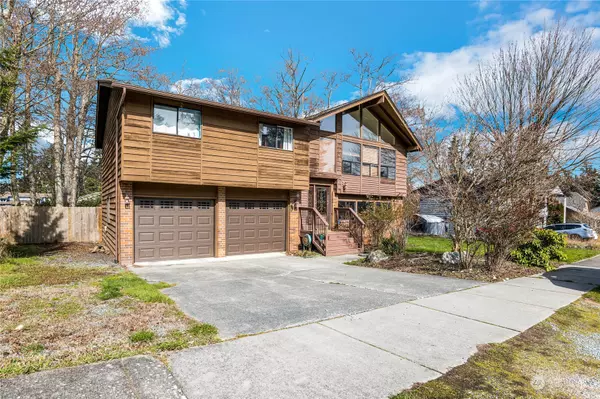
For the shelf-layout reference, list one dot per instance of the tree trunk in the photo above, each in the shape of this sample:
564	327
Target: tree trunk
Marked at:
76	173
59	199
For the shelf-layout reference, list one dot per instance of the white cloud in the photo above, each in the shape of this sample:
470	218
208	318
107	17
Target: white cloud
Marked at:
435	75
267	31
483	4
577	6
164	19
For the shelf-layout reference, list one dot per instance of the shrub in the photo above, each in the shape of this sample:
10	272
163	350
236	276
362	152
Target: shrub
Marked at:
545	246
391	245
380	218
141	336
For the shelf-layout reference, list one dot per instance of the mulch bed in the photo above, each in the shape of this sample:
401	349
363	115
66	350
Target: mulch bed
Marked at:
431	264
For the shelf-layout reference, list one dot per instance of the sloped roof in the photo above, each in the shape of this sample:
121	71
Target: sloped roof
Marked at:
384	108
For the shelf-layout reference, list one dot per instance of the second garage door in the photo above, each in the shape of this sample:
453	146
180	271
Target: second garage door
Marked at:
255	227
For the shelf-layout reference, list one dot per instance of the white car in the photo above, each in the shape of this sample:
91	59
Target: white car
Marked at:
574	230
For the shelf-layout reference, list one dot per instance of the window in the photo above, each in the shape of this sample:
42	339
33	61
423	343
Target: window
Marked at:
388	164
278	205
351	123
327	155
264	205
328	124
234	205
350	158
185	205
370	161
146	204
276	136
204	205
165	204
370	126
347	204
386	135
248	205
177	121
362	206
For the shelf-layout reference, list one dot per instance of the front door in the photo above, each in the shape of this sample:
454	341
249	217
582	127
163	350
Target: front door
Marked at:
321	200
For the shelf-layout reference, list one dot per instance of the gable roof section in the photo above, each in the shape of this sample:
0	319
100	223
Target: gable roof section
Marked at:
383	107
104	92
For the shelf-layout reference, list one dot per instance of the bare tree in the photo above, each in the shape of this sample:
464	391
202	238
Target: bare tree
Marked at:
332	82
529	113
369	75
291	92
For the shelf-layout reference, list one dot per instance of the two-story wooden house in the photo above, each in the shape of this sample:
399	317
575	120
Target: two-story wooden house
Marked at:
188	178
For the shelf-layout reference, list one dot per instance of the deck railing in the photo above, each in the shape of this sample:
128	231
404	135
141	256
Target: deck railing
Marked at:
348	220
313	223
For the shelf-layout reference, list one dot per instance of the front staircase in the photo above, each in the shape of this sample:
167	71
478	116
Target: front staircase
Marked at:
345	239
341	243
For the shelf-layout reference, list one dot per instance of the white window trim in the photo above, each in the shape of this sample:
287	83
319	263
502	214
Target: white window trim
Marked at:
286	130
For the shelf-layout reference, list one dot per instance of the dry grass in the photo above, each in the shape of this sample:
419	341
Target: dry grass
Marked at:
56	316
550	360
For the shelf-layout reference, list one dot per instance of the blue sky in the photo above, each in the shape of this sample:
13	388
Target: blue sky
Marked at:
437	42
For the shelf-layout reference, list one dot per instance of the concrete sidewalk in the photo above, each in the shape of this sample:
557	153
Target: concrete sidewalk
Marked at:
368	355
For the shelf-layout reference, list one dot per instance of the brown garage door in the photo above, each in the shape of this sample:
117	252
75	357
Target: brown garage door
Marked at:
167	229
255	227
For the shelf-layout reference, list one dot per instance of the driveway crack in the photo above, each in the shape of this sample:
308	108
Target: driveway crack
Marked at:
382	349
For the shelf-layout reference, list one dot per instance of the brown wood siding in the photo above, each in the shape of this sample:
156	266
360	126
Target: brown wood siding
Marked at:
236	193
164	190
109	188
228	153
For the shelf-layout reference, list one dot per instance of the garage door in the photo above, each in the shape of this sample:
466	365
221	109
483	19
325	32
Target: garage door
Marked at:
167	229
255	227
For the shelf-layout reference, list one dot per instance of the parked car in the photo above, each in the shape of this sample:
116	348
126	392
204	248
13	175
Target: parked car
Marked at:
574	230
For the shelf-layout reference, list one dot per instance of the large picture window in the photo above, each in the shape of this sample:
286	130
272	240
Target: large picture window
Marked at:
388	164
276	136
351	158
177	121
328	124
351	123
370	126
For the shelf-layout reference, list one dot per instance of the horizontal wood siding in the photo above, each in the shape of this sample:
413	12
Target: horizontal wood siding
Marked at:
173	190
228	153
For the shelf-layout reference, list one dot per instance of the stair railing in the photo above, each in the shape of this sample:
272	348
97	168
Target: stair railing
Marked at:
348	220
312	222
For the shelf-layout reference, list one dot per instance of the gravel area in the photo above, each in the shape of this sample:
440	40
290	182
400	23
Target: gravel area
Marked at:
61	254
587	344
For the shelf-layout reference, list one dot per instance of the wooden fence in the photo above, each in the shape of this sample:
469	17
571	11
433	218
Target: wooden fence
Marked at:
40	224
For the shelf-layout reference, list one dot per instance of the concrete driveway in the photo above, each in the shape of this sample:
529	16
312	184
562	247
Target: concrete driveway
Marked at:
261	293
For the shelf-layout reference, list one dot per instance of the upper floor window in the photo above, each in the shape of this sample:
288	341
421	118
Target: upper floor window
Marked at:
276	136
328	124
178	121
370	161
351	123
388	164
327	155
351	158
370	126
386	135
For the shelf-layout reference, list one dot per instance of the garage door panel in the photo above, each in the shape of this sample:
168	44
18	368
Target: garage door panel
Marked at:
255	227
146	220
166	221
170	229
166	236
186	220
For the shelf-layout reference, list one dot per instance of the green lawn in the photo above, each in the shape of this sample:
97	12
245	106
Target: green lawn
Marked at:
577	254
437	245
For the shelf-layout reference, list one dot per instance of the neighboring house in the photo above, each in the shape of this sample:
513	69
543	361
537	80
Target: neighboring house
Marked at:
7	199
184	177
434	212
